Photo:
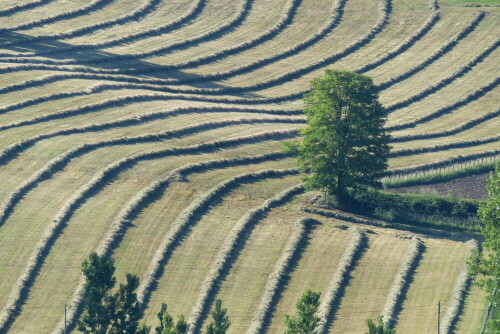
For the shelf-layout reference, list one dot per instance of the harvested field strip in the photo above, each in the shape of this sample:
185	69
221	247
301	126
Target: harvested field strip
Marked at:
276	279
256	257
428	287
91	6
475	308
23	6
230	251
314	270
166	191
194	11
402	281
478	93
439	53
444	82
61	161
459	292
333	294
90	189
374	272
147	7
16	148
460	128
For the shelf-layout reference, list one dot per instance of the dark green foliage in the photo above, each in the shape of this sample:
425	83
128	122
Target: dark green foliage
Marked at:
99	274
305	321
416	208
167	325
345	144
105	312
221	321
379	328
488	263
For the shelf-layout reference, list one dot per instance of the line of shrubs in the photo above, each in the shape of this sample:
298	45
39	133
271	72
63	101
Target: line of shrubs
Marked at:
416	209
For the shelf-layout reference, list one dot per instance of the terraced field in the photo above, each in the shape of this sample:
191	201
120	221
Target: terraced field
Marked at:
151	131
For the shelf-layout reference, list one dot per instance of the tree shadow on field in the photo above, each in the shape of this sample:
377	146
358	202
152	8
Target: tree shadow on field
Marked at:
99	59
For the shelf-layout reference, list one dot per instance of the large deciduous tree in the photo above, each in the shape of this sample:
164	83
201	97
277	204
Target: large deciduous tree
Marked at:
344	142
487	264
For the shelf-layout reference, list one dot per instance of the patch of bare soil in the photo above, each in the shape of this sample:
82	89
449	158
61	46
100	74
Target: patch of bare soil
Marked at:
470	187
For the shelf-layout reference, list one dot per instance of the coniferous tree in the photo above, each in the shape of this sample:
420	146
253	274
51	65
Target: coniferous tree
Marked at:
167	325
305	321
221	321
379	328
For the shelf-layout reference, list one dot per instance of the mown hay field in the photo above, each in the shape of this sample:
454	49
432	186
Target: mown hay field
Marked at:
151	131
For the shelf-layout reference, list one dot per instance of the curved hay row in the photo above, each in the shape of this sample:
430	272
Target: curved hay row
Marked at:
91	6
193	12
235	237
395	296
125	100
436	55
446	81
481	91
140	201
330	299
63	160
275	280
461	127
14	149
443	147
405	45
147	7
455	303
24	6
285	20
384	8
98	182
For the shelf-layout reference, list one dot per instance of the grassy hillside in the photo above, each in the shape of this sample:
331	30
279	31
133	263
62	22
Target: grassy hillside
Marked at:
151	131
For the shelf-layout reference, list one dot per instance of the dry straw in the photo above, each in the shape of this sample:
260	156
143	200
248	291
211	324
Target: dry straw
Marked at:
140	201
436	55
235	238
62	160
97	182
331	298
401	280
458	294
275	280
446	81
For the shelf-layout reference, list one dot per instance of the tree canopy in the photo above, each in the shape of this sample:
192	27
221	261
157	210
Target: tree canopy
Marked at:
344	144
379	327
487	264
220	323
305	321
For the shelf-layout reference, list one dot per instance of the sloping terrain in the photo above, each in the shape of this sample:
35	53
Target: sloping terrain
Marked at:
151	131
